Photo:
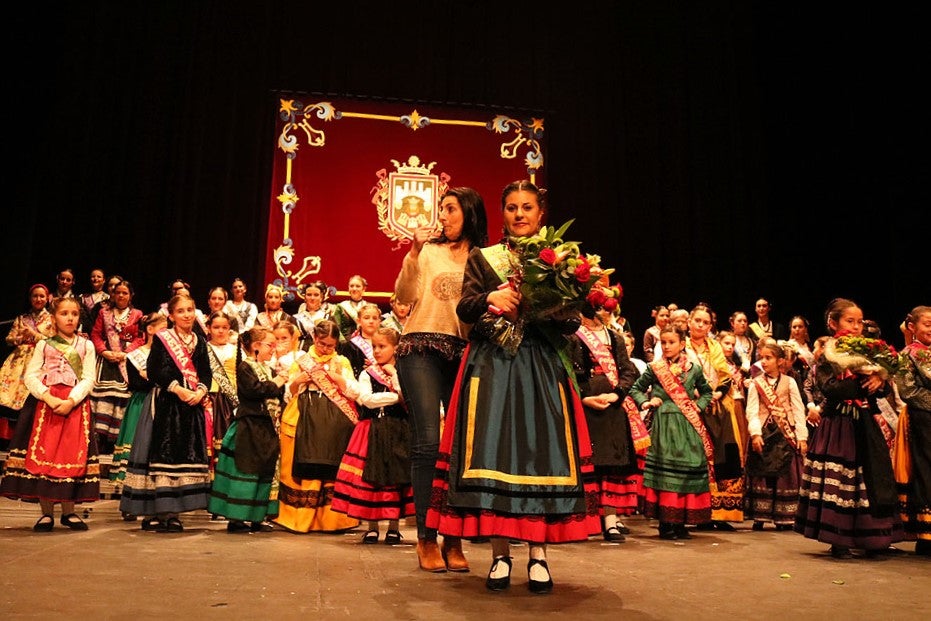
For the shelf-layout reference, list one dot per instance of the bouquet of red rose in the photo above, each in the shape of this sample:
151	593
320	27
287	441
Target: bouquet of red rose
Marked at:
554	276
555	280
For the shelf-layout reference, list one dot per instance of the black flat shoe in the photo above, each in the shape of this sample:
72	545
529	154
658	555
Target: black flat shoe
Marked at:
923	547
667	531
783	527
392	538
614	535
237	526
623	529
759	526
539	586
173	525
499	584
152	524
129	517
840	552
73	522
261	527
45	524
370	537
681	532
725	526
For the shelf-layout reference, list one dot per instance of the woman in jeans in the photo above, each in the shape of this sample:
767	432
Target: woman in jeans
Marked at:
431	348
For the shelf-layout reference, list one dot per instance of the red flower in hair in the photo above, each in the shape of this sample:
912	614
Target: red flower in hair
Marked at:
610	304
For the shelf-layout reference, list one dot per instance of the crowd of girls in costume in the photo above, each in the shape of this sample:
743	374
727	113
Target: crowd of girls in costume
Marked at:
353	417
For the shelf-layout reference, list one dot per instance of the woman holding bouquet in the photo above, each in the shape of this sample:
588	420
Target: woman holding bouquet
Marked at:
515	453
847	496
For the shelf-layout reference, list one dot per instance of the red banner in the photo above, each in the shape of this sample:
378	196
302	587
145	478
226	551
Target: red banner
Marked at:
353	178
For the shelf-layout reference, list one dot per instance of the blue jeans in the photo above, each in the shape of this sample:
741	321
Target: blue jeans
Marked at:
426	380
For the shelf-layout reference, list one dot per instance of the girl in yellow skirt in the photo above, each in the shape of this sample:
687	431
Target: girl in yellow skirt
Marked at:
316	425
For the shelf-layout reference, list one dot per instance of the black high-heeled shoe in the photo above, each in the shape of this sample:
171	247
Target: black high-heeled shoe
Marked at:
499	584
539	586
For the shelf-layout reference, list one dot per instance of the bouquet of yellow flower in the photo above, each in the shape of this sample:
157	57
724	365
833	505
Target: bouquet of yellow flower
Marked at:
553	275
859	353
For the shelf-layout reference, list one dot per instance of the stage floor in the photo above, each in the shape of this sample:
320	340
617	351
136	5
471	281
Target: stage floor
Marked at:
116	571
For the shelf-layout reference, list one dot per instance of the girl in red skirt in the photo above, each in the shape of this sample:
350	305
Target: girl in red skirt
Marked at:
53	454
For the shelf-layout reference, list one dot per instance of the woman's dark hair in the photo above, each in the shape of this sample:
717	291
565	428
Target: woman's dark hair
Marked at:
523	186
320	286
474	218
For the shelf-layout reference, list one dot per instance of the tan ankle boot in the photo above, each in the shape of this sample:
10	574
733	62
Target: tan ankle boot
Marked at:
429	556
452	554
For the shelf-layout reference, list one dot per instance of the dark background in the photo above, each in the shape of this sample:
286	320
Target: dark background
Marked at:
710	151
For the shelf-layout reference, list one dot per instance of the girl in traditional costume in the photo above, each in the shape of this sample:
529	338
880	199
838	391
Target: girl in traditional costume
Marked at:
720	420
28	329
53	454
775	421
239	307
913	435
346	314
169	469
358	348
115	333
374	478
223	363
245	487
678	470
605	374
140	387
316	425
847	496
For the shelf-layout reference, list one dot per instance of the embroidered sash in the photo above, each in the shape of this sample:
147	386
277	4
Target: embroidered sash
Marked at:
319	376
365	346
112	332
272	404
500	260
221	378
638	428
676	391
777	410
758	330
185	364
68	352
139	357
601	353
182	359
349	307
378	373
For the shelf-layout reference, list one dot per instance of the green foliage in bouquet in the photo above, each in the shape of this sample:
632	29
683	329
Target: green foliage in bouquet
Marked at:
876	351
554	275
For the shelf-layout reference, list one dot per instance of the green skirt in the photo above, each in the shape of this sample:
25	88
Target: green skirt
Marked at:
237	495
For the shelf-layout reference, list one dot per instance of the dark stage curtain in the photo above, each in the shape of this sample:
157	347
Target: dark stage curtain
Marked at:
713	151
